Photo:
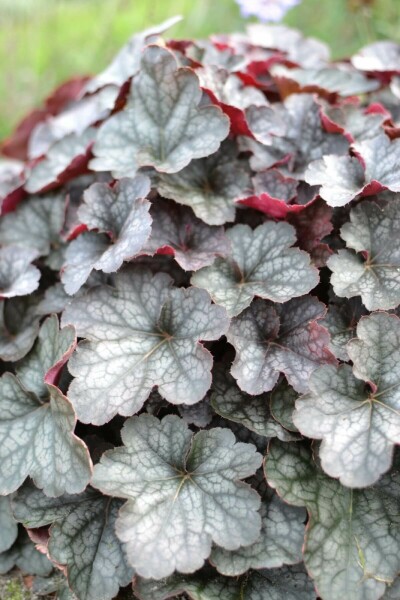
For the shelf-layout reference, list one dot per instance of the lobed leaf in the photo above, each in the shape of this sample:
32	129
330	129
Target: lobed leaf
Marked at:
163	471
140	334
162	124
262	264
351	546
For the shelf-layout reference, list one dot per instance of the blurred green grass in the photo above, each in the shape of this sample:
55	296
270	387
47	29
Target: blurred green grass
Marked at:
43	42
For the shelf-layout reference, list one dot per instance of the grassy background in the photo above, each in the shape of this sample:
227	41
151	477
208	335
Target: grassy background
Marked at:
43	42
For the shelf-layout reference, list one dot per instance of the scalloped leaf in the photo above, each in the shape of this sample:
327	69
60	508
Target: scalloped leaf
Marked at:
357	419
374	168
210	185
176	231
352	540
36	224
140	334
164	470
290	583
8	525
341	322
270	339
261	263
280	542
305	139
121	212
82	538
77	116
18	277
371	269
64	160
162	124
231	403
277	195
37	421
25	557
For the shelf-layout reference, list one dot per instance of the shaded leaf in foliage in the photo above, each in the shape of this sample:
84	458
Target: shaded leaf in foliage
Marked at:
280	542
210	185
282	405
277	195
140	334
265	123
232	404
64	159
82	538
55	583
163	470
290	583
8	525
121	215
19	326
352	540
18	277
162	124
270	339
177	231
371	268
305	139
25	557
341	322
357	414
37	422
261	263
312	224
36	223
228	91
374	168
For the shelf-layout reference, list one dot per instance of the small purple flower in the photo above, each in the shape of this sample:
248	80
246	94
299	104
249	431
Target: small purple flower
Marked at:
266	10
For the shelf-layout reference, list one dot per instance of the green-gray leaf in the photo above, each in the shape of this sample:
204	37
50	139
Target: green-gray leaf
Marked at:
371	269
280	542
270	339
228	400
261	263
19	326
18	277
8	525
183	493
358	418
24	555
352	543
36	223
162	124
287	583
82	537
210	185
140	334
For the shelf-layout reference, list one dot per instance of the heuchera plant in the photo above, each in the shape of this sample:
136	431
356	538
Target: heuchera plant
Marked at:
199	330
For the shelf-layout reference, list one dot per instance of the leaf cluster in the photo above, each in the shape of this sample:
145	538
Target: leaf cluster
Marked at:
199	331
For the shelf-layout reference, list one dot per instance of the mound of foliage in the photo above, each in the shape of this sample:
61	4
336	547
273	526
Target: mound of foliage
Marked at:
200	288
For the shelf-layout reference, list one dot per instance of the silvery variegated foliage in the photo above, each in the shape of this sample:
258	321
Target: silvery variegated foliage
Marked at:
356	412
197	247
184	491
